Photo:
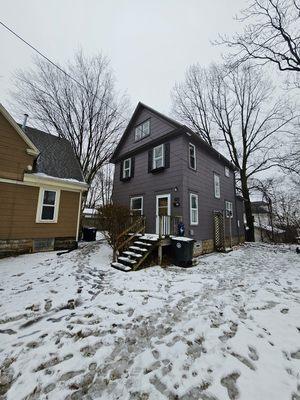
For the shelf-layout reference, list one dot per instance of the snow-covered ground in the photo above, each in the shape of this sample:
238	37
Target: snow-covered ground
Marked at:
73	328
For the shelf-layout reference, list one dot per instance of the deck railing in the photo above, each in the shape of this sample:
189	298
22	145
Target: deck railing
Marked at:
167	224
137	226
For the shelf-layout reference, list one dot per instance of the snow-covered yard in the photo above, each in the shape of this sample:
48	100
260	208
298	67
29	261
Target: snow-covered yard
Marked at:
73	328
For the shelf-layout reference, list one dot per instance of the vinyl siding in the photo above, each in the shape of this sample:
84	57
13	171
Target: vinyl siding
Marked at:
158	127
150	184
18	206
201	182
13	157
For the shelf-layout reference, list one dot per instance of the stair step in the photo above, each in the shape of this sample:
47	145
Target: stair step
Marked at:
150	237
135	248
135	234
143	244
121	267
126	259
132	254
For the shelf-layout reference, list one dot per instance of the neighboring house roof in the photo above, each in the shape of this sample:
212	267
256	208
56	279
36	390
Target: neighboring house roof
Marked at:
56	157
268	228
259	207
178	128
90	211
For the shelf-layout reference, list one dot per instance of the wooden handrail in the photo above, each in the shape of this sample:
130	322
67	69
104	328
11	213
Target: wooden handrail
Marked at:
137	227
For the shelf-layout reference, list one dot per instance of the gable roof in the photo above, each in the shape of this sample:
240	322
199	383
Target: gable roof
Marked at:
32	148
178	128
56	157
138	108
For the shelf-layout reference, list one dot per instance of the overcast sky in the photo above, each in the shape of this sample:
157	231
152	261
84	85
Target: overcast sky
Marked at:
150	42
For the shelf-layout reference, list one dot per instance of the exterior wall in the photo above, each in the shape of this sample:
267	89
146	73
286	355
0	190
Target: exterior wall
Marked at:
18	206
158	127
201	182
13	157
184	179
150	184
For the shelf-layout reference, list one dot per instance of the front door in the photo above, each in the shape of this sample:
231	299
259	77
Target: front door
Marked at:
163	214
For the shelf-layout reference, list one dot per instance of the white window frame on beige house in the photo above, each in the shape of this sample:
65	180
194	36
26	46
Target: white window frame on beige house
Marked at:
41	204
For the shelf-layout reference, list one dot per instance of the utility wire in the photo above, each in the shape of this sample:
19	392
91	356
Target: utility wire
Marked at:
64	72
55	65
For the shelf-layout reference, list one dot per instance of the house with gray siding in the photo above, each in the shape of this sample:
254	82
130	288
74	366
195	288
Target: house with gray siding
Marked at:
162	168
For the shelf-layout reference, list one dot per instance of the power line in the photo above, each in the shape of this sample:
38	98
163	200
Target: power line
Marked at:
64	72
55	65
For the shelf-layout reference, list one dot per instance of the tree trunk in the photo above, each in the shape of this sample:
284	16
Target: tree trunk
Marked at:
248	210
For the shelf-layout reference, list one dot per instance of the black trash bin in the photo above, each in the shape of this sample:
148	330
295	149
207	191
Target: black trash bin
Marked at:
89	234
182	250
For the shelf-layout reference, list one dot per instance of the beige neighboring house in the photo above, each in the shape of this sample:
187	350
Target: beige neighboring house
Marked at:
263	229
41	186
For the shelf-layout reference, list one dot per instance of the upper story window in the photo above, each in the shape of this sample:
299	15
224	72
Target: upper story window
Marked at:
192	156
193	209
136	205
158	160
228	209
227	172
127	169
142	130
217	186
48	204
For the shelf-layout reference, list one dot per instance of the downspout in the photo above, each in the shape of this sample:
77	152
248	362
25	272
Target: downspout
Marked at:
78	216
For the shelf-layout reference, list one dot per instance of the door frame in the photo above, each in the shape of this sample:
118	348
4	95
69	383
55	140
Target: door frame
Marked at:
161	196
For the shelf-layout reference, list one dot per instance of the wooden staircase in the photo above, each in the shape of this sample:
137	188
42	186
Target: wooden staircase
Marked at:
134	256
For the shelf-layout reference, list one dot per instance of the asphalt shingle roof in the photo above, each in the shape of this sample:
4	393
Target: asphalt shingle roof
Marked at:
56	157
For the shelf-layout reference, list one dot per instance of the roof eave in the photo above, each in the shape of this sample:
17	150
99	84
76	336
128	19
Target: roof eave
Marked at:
32	150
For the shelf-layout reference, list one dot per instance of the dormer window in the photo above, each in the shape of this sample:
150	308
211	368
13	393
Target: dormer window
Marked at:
142	130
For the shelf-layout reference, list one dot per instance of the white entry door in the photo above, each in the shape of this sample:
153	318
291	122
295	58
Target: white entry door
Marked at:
163	214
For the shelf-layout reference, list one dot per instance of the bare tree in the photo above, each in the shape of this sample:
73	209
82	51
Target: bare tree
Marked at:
191	102
271	35
101	188
86	112
243	113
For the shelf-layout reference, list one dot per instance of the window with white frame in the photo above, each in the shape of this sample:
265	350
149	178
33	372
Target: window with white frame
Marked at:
127	168
48	205
227	172
142	130
136	205
193	209
192	156
158	160
217	187
228	209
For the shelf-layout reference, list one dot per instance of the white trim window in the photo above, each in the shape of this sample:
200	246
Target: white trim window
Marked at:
142	130
127	168
227	171
217	186
158	160
136	205
192	156
228	209
194	217
48	205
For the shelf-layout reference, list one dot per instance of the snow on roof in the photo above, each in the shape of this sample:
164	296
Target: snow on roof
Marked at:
268	228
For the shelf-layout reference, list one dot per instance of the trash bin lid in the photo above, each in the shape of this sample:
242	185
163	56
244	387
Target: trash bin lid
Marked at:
182	239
